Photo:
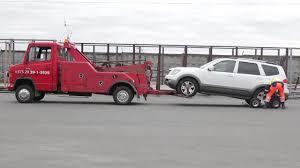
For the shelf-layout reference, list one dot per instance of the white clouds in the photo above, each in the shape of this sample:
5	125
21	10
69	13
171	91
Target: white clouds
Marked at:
215	22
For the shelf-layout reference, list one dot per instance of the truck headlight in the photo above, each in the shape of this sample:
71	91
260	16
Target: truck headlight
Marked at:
174	72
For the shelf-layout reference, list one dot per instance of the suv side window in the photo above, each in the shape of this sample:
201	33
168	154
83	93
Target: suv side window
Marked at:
270	70
248	68
39	54
225	66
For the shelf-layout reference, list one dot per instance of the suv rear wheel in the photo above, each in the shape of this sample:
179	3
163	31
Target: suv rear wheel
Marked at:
258	98
24	94
188	87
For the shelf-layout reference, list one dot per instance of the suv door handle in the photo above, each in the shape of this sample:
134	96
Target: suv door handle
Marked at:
230	75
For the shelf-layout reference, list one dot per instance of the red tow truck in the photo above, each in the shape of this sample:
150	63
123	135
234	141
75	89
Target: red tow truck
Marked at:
50	67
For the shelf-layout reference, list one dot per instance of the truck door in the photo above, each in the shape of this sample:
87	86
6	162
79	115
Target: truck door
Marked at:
72	73
38	67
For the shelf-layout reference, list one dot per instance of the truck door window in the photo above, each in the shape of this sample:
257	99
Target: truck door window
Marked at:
39	54
65	55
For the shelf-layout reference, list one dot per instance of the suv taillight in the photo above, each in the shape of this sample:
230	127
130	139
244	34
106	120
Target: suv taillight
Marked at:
285	81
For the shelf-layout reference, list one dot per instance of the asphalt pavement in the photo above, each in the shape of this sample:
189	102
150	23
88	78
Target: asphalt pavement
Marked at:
164	132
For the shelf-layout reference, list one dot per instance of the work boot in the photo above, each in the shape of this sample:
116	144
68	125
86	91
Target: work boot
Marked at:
283	105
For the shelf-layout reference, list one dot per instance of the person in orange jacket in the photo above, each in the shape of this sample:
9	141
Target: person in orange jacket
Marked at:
275	85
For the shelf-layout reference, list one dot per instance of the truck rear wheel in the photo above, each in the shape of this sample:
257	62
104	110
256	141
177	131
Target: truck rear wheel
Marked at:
24	94
123	95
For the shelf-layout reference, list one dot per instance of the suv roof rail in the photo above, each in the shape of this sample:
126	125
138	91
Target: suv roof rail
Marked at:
256	60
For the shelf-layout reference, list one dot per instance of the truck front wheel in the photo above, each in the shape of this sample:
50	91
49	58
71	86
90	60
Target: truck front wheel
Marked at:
123	95
24	94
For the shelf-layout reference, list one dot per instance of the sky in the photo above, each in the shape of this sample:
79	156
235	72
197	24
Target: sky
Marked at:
210	22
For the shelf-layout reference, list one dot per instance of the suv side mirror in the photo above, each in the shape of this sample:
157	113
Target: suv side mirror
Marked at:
210	68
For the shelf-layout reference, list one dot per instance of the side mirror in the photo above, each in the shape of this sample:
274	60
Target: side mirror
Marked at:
210	68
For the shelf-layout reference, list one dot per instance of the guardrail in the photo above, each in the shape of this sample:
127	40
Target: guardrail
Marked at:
163	56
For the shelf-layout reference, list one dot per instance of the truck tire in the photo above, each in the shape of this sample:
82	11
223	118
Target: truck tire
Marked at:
188	87
24	94
123	95
39	98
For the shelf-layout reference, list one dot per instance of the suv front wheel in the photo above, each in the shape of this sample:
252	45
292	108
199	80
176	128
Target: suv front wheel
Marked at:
188	87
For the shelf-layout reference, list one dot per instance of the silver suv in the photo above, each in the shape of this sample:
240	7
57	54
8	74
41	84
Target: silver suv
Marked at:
238	78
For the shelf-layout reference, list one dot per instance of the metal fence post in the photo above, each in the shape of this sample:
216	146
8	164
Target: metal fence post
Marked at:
158	68
140	56
117	53
13	51
210	52
107	53
261	53
184	60
94	53
291	67
236	51
5	60
162	65
82	48
285	66
133	54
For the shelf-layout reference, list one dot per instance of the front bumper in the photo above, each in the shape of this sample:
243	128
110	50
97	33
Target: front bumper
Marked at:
10	87
171	83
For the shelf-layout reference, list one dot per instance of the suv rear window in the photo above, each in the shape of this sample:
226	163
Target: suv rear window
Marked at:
270	70
248	68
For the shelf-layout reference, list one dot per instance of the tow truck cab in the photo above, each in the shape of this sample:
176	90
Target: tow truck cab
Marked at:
49	67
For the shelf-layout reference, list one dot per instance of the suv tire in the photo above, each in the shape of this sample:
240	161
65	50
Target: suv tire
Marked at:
188	87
